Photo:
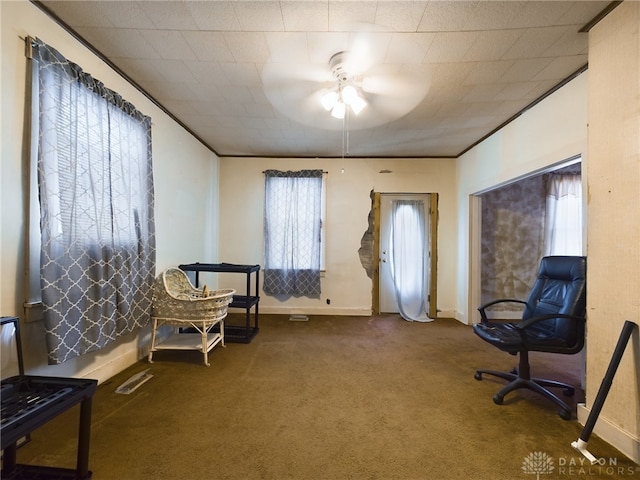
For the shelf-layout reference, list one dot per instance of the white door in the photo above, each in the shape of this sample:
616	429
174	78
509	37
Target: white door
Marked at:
388	302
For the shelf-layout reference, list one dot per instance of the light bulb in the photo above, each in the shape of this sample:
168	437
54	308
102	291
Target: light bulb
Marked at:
358	104
349	94
329	100
338	110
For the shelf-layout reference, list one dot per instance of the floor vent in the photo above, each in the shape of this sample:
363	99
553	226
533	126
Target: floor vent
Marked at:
298	318
134	382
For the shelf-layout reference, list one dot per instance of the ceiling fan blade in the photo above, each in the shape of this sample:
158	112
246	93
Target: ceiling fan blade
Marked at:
297	76
279	73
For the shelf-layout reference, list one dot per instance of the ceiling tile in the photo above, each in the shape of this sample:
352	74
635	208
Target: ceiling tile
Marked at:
534	42
259	16
525	69
491	45
483	92
582	12
168	15
114	42
570	42
450	47
400	16
558	67
408	47
241	73
126	15
493	15
174	71
303	16
209	46
83	15
216	16
287	47
207	72
344	15
140	70
487	72
179	107
321	46
540	14
238	72
516	91
446	16
169	44
247	47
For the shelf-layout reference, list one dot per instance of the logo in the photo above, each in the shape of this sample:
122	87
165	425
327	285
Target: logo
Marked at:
540	463
537	463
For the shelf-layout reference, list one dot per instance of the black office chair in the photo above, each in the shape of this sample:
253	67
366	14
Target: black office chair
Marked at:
553	321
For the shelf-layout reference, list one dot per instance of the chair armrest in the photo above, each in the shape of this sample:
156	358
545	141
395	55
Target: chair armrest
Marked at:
482	308
533	320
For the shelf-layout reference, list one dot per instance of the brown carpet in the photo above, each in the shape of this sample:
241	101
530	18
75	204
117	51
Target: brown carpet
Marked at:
331	398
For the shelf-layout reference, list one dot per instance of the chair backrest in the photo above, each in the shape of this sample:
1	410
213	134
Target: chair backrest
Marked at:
560	288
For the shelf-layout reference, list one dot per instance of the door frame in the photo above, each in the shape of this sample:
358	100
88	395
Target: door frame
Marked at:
433	248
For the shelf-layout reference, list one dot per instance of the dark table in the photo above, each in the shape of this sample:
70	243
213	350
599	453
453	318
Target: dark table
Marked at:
235	333
29	402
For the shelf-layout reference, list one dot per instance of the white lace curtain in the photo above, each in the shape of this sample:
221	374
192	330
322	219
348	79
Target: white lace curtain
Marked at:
292	232
563	221
409	259
95	183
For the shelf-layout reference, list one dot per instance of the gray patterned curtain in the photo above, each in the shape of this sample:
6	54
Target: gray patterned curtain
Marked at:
292	232
96	209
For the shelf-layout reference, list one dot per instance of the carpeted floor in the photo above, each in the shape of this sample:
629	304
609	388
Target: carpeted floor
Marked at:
331	398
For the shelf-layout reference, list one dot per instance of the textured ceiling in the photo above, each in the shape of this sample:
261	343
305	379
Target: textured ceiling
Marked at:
238	74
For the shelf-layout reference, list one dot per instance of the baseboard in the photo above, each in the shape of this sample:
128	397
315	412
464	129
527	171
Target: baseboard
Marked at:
447	314
313	311
612	434
111	368
358	312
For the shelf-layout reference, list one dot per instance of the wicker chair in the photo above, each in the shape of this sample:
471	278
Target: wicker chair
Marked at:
178	303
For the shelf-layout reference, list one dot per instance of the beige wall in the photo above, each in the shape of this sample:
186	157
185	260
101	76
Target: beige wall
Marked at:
613	239
185	184
547	134
348	204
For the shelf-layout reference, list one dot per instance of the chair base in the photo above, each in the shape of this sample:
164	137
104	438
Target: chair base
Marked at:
517	381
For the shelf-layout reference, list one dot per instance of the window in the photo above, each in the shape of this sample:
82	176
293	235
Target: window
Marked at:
293	232
95	210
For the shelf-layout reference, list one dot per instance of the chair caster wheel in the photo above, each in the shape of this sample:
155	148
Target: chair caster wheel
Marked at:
497	399
477	376
569	392
565	414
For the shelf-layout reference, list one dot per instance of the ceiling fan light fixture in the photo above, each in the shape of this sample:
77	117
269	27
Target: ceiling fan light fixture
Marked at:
349	94
338	110
345	93
358	104
329	100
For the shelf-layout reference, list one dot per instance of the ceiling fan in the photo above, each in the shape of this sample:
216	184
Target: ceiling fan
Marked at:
311	77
